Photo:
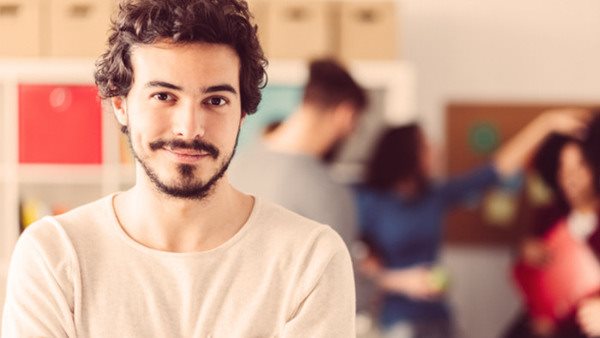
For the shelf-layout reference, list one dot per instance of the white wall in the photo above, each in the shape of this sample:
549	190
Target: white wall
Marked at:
496	50
501	50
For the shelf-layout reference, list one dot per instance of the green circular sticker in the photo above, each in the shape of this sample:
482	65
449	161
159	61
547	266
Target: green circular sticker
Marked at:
483	138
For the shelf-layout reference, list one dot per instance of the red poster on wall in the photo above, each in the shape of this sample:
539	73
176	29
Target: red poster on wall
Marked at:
60	124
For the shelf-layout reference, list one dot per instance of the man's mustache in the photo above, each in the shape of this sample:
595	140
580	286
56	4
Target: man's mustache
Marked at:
181	144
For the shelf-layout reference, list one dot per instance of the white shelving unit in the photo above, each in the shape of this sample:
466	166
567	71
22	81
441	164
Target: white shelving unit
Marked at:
77	184
71	185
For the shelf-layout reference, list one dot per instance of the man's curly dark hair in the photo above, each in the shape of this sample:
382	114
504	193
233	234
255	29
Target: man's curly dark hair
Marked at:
227	22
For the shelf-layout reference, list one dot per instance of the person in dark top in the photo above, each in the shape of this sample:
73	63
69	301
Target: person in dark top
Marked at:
401	212
588	312
568	166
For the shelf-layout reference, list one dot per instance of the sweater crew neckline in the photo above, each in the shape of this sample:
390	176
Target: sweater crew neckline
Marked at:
123	236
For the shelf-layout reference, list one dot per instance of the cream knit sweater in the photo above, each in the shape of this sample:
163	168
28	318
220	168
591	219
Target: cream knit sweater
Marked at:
80	275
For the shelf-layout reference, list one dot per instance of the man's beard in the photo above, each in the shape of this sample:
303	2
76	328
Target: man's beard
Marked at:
185	188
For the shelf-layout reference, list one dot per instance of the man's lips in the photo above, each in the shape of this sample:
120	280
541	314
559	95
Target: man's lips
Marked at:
187	152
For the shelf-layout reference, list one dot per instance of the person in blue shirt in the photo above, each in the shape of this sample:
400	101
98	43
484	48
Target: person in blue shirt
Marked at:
401	214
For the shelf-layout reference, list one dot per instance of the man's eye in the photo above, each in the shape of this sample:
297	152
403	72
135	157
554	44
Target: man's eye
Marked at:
162	96
216	101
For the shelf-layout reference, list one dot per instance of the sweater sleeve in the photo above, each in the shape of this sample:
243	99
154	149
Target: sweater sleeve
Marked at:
39	296
328	310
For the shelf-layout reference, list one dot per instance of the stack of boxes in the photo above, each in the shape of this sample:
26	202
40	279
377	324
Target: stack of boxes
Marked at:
346	29
289	29
54	28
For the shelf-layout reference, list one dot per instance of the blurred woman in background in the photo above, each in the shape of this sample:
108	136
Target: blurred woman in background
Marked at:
567	165
401	213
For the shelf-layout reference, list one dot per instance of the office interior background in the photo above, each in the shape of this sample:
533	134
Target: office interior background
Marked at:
463	68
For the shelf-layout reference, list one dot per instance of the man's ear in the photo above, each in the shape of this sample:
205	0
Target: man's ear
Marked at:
119	105
345	115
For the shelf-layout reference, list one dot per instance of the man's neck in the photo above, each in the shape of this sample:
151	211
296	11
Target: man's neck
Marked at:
165	223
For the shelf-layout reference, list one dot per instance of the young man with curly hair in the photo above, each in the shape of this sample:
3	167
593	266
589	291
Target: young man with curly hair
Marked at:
182	253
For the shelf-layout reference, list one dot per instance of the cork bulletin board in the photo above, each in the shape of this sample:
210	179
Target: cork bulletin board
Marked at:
503	214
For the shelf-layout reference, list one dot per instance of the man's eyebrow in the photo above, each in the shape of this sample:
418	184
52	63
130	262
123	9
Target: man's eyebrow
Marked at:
220	88
163	84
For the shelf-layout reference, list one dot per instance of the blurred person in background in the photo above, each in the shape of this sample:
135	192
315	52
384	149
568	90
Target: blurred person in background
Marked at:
401	215
588	312
287	164
568	166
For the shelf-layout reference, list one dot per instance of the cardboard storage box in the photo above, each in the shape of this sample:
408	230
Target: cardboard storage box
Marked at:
20	28
368	30
300	29
79	28
59	124
259	9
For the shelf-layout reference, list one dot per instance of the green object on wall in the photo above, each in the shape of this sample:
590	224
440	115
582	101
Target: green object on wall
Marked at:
484	138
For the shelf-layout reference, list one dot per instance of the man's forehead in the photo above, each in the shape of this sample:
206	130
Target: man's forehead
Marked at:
202	64
200	53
